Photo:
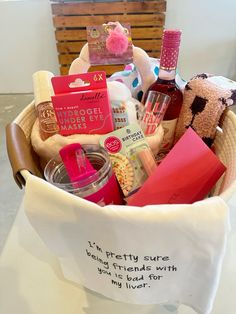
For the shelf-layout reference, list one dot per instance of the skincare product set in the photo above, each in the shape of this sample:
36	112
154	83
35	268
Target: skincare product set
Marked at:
106	153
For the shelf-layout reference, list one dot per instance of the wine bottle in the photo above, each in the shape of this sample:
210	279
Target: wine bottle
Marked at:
43	91
166	84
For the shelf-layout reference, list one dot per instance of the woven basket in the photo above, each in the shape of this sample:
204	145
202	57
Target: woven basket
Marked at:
24	160
112	226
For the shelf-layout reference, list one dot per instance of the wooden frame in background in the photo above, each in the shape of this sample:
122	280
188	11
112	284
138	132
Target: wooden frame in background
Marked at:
70	19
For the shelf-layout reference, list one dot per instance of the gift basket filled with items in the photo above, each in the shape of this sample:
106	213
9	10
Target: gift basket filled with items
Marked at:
127	178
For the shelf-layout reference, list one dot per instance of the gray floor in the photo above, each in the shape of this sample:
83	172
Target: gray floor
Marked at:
10	194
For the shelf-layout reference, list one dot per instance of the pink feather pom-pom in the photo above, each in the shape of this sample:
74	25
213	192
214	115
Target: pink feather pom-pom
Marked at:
117	42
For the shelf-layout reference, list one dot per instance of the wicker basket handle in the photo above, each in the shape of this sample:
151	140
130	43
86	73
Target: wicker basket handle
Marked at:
21	154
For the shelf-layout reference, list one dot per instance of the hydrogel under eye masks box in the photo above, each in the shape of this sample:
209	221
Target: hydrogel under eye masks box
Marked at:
81	103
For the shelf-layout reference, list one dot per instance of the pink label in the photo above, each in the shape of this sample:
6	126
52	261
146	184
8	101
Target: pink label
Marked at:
108	194
113	144
81	104
169	57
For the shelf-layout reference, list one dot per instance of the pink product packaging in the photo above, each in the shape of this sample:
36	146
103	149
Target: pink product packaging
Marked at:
81	103
110	44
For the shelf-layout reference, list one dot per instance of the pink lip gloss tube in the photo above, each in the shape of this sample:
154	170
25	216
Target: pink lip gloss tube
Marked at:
147	161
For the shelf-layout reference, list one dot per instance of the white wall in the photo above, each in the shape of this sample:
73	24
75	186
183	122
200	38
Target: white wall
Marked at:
209	35
27	39
27	43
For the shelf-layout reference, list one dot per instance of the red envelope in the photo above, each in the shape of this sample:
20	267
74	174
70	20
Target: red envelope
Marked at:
186	175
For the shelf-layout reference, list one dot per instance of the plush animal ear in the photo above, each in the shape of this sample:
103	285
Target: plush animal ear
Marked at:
82	63
143	63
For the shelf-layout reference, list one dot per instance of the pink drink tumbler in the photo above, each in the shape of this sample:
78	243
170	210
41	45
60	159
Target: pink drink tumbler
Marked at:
93	180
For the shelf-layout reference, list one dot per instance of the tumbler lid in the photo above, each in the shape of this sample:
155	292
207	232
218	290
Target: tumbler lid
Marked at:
77	165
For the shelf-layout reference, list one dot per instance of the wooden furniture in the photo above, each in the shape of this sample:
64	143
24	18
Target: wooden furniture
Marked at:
70	19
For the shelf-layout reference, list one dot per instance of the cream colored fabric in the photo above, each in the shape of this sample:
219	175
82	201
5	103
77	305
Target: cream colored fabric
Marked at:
136	255
31	281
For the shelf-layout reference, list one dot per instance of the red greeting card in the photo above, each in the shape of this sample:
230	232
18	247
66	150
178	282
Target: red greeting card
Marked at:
186	175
